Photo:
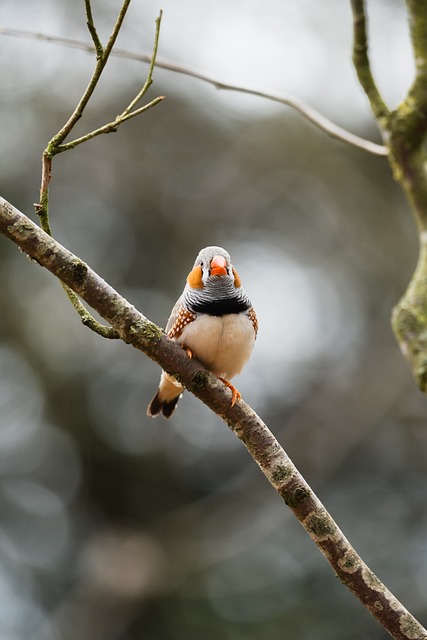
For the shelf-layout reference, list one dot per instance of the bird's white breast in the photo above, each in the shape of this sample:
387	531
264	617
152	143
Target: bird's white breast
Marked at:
222	343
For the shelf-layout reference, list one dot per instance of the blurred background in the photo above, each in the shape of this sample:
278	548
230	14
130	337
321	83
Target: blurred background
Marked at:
114	526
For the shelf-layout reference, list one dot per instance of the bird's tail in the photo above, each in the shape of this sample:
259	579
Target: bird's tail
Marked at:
165	407
166	398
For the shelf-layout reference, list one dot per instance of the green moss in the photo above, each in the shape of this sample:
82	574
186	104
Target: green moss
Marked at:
410	627
349	562
199	380
151	331
410	328
296	497
79	272
420	373
281	474
319	526
405	322
147	330
371	579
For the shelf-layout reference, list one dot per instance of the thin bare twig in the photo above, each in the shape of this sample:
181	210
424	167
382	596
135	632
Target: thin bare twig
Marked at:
102	60
92	30
301	107
127	113
415	104
87	319
56	145
149	78
266	451
51	150
362	64
110	127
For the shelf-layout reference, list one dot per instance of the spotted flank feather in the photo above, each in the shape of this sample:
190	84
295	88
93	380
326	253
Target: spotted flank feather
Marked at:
183	318
252	317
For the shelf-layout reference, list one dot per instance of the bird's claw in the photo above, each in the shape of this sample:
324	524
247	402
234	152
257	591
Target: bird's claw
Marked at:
235	395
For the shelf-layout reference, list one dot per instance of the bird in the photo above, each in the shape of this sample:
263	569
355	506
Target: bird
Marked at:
214	321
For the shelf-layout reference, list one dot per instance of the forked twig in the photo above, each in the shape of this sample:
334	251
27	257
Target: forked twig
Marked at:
57	145
362	64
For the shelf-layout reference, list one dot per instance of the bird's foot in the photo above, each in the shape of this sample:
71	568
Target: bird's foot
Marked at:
235	395
188	352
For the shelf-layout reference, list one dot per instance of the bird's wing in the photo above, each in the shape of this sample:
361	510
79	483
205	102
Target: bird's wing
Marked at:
174	314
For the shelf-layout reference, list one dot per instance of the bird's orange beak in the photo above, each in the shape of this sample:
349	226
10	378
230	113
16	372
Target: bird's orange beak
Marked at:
218	266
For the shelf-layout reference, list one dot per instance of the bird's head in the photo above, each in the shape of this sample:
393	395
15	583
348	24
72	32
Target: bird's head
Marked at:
212	265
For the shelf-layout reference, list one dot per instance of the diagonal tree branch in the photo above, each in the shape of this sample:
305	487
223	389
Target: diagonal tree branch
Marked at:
307	112
135	329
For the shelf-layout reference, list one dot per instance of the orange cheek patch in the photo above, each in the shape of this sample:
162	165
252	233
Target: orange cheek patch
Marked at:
237	282
195	278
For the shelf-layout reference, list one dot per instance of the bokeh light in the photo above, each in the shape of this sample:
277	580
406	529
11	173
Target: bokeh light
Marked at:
118	527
